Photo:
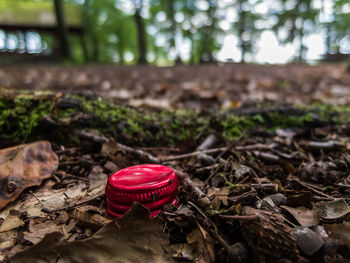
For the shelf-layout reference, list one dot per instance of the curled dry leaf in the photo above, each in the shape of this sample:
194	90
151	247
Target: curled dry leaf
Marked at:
305	217
24	166
334	210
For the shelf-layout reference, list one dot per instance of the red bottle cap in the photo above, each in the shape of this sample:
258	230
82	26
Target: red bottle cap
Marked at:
150	184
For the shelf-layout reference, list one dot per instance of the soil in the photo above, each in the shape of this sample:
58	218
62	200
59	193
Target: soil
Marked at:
209	86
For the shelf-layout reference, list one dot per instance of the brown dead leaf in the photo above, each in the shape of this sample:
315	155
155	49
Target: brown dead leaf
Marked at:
204	245
339	231
24	166
219	195
37	231
7	240
89	216
305	217
11	222
131	238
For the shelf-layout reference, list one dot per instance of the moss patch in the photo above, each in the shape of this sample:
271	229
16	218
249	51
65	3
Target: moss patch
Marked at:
24	116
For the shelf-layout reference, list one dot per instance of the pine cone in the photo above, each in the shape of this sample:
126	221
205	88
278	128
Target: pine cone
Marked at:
268	234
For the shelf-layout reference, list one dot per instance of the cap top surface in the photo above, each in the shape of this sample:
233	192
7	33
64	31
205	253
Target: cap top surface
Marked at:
142	177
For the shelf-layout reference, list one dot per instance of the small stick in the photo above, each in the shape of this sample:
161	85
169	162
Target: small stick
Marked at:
192	154
42	205
230	146
77	177
213	173
312	188
197	194
237	217
47	210
206	168
144	155
213	232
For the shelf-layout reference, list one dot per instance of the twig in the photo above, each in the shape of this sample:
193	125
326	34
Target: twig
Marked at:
47	210
311	188
213	173
329	145
193	189
230	146
267	156
142	154
42	205
77	177
192	154
93	138
212	229
206	168
237	217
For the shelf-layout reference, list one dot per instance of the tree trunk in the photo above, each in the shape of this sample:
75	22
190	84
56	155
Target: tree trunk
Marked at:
95	47
241	30
301	47
171	14
87	29
141	35
62	31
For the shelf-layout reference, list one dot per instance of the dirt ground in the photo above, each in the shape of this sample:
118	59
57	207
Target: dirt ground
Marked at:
208	86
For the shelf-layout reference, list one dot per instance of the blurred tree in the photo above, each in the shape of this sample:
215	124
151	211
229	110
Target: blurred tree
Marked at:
168	27
299	19
62	30
141	32
245	27
202	29
188	28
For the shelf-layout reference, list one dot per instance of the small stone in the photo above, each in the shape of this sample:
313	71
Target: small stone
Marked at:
205	159
111	167
307	240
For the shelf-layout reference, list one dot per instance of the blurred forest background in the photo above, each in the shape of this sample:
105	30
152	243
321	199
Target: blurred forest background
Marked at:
164	32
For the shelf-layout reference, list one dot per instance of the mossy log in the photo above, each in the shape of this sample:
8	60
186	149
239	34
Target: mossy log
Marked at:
27	116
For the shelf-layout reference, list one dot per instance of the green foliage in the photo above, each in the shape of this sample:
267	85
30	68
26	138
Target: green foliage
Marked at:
33	12
293	16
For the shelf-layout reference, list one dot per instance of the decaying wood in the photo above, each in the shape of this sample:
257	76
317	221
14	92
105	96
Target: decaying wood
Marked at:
268	234
194	191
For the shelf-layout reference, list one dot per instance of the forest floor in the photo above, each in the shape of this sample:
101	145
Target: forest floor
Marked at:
262	154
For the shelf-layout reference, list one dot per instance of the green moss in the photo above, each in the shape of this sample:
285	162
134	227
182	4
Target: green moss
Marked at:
234	126
20	116
21	112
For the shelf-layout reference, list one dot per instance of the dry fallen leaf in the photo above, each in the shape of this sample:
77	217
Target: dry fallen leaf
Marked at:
305	217
339	231
24	166
131	238
204	244
11	222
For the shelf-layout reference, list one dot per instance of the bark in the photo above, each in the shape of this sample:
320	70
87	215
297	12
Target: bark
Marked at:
301	47
62	30
87	28
241	31
171	14
141	35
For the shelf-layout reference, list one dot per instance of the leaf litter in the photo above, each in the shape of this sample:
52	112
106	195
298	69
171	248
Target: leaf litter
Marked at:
281	195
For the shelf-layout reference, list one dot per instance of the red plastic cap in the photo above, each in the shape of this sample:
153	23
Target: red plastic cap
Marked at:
150	184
